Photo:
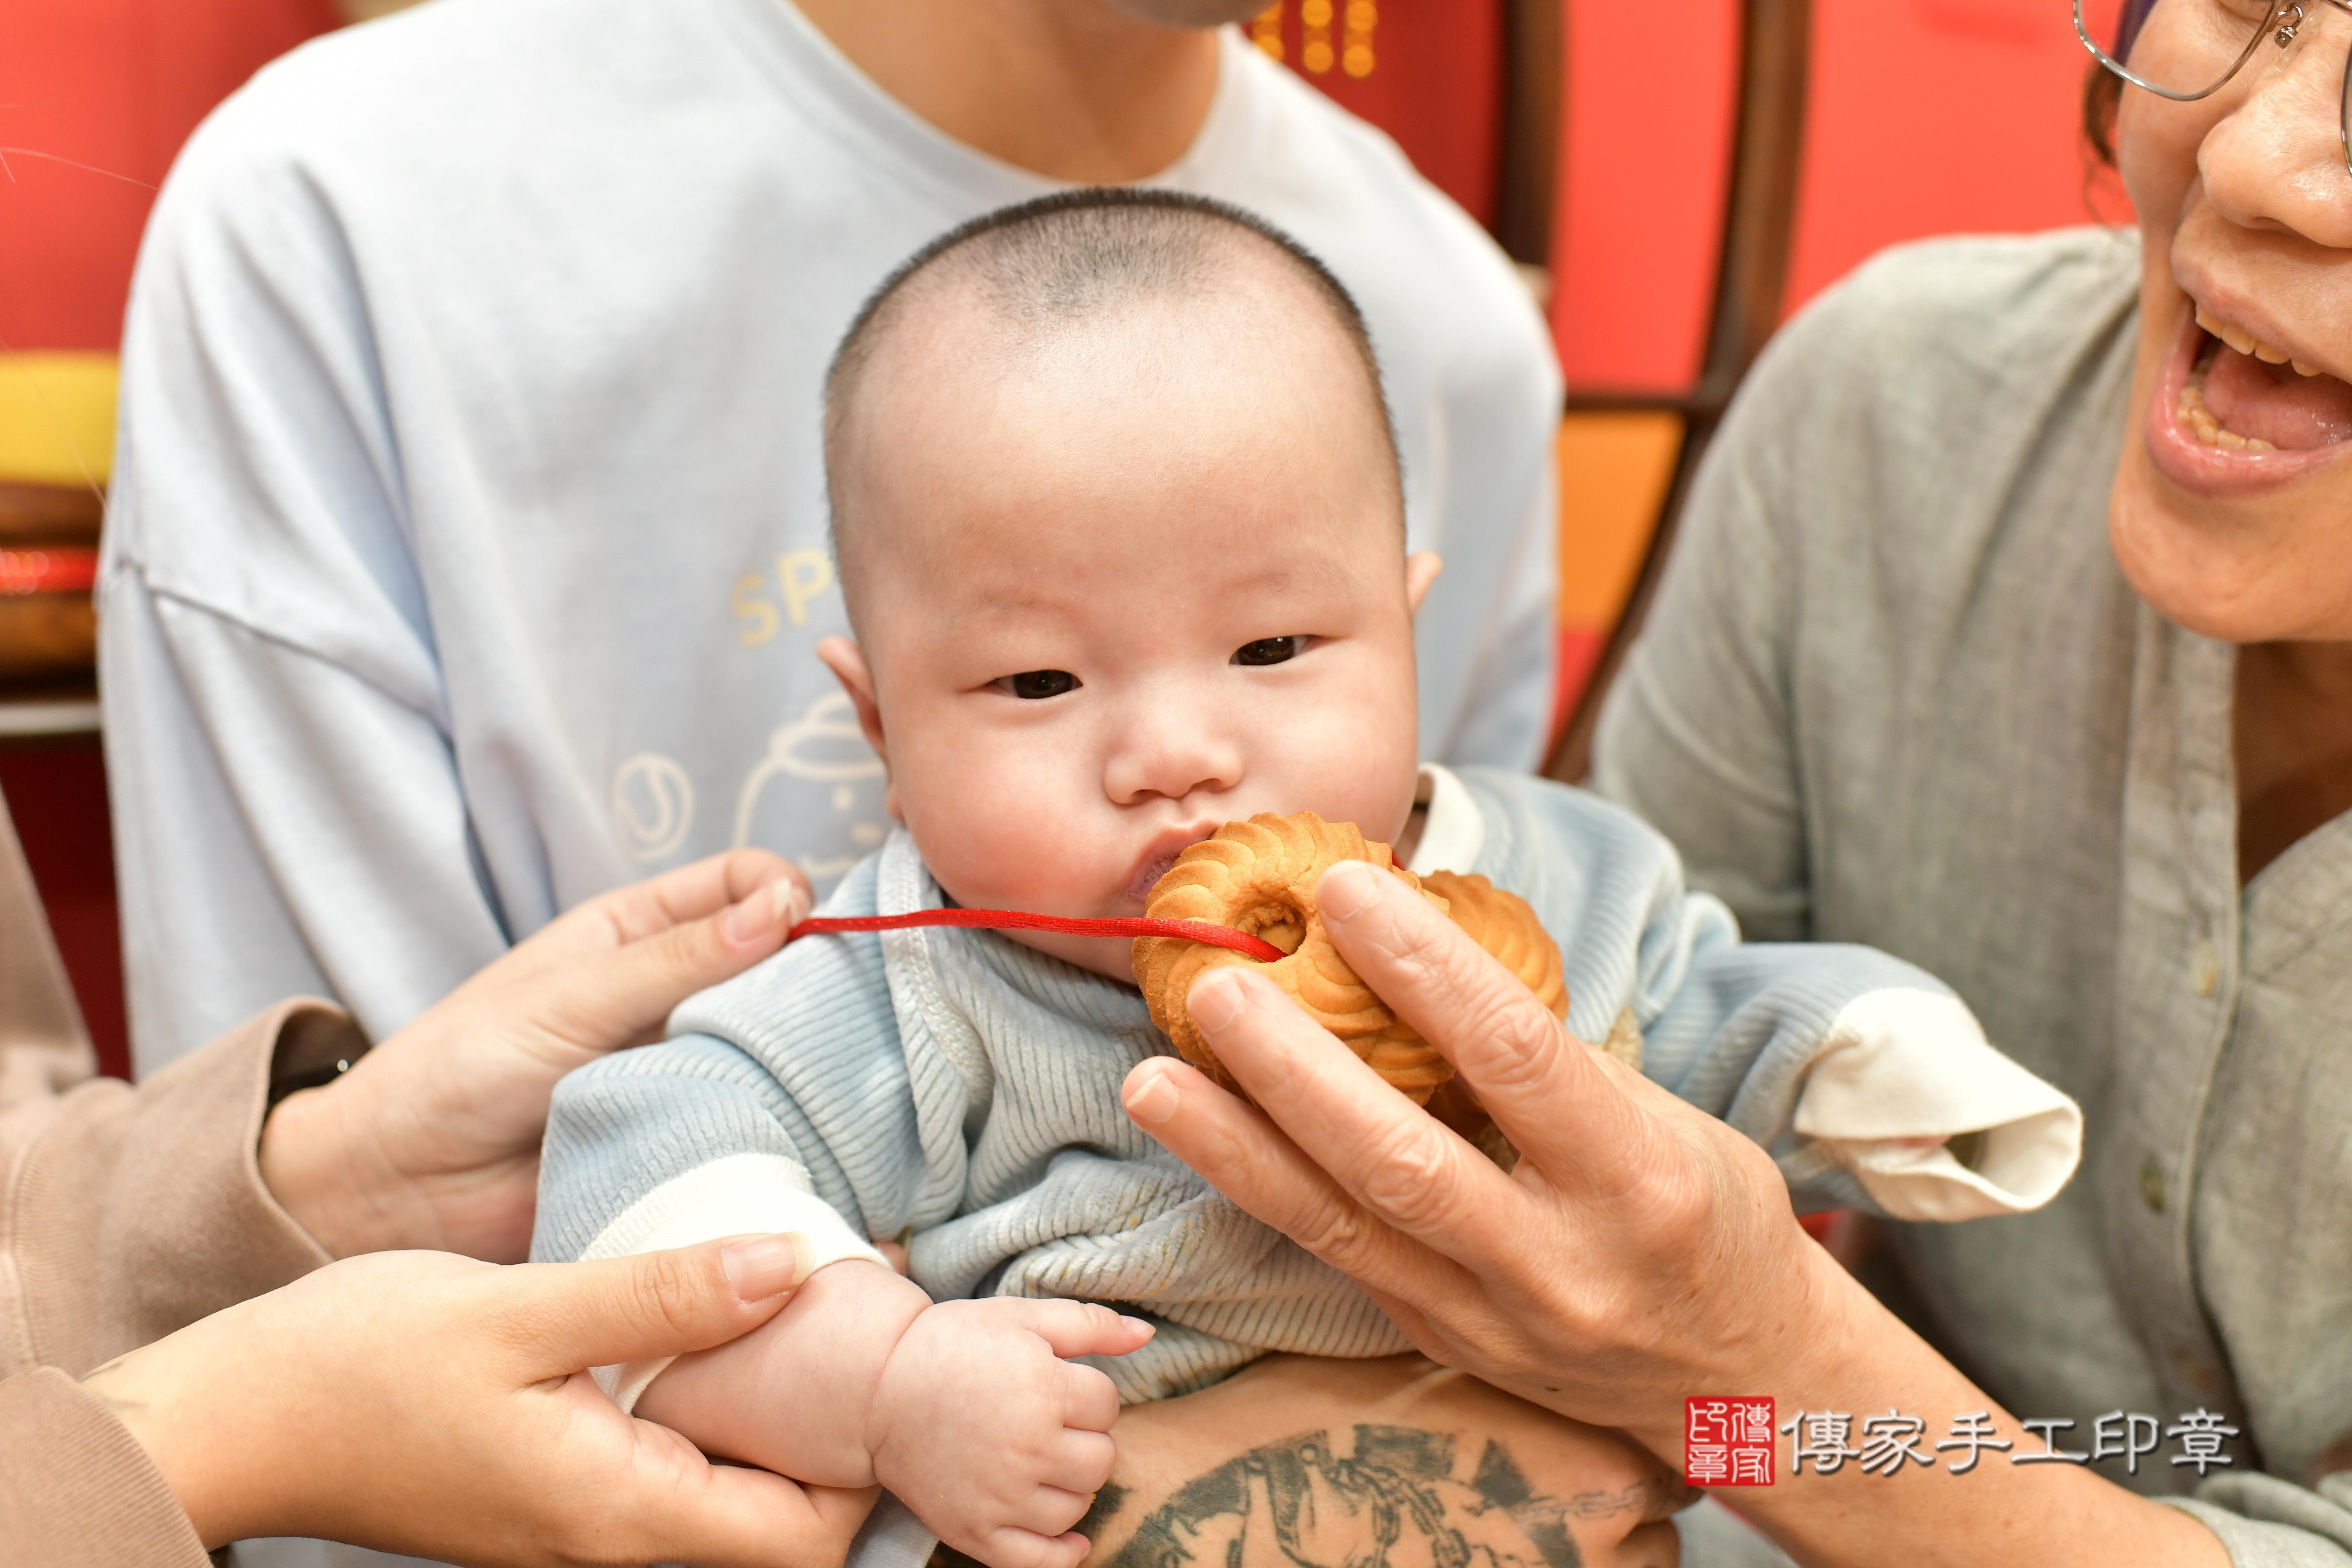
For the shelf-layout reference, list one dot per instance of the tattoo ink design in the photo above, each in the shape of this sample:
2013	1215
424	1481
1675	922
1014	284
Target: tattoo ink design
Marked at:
1395	1501
1105	1508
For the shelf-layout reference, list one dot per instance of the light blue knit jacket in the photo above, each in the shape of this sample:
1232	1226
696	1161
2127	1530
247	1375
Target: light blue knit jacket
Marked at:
962	1090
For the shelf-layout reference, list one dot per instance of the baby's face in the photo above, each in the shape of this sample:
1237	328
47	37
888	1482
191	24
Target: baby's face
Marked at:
1117	590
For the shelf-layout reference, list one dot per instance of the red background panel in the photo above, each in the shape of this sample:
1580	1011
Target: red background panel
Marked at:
1435	81
1647	116
1939	117
57	794
96	96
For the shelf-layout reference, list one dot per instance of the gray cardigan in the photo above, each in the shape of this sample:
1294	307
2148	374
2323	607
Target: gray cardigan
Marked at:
1896	691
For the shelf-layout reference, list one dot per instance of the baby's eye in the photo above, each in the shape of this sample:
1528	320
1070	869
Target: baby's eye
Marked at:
1270	651
1037	683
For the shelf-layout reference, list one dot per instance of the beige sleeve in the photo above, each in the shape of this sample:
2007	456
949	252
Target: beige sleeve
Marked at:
75	1489
43	1047
126	1214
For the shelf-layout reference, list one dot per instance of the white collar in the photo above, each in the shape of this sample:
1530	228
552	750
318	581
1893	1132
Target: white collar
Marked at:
1453	831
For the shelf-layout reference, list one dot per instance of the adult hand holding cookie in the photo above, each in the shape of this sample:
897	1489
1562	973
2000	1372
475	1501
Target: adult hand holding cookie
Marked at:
1640	1254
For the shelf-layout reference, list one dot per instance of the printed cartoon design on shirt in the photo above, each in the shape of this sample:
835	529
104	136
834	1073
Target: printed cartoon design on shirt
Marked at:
824	746
653	807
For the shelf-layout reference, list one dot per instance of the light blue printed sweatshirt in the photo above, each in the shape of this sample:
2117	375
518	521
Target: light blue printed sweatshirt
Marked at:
960	1090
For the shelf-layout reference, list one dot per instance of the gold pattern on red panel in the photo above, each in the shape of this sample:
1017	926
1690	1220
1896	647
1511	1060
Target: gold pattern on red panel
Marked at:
1428	72
1331	35
1265	30
1356	40
1314	37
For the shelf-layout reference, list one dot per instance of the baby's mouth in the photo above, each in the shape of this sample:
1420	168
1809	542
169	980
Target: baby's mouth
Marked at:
1147	877
2247	395
1156	861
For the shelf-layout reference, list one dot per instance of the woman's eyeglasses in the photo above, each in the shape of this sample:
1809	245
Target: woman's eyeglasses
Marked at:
2204	43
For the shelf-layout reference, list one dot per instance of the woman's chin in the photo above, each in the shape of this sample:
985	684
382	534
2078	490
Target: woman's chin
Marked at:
2238	572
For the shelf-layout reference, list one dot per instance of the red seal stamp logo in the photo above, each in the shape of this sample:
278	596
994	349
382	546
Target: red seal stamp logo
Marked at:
1727	1441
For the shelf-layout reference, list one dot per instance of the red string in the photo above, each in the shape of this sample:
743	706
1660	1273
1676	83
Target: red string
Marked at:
1016	919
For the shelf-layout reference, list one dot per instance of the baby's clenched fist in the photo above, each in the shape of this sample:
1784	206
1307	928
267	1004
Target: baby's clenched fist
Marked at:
996	1441
965	1409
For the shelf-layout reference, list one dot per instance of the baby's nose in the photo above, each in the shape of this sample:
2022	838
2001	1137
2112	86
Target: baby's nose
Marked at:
1172	757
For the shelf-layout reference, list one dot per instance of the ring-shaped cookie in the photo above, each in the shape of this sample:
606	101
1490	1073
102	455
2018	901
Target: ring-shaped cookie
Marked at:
1259	877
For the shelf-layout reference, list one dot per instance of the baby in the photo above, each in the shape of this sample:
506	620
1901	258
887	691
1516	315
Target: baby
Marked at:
1122	533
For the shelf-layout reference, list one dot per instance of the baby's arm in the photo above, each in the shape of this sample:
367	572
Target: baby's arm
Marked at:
1870	1082
965	1410
795	1113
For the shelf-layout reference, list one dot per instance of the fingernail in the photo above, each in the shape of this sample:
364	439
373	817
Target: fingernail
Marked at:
1139	1325
1153	1100
1345	889
764	1267
780	903
1215	1000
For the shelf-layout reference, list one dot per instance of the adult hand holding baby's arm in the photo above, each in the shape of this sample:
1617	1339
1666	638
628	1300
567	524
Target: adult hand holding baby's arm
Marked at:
432	1139
417	1402
966	1410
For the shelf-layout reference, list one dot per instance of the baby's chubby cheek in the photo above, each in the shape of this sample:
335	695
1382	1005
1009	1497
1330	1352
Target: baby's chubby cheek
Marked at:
1019	834
1348	764
1347	746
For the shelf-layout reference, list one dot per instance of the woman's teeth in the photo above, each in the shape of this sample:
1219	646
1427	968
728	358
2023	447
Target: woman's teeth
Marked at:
2208	429
2245	342
2240	396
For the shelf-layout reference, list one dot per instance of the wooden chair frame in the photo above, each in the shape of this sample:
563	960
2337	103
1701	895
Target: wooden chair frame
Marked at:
1751	287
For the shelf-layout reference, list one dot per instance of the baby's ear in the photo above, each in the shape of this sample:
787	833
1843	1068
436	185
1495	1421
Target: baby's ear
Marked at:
1421	569
847	663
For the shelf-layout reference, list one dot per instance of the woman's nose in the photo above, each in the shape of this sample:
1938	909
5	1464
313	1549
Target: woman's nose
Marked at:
1171	753
2276	160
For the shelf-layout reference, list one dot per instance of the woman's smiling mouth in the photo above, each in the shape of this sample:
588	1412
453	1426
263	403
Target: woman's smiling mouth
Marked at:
2233	413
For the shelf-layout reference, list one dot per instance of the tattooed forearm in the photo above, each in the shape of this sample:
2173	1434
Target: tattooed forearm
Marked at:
1399	1497
1653	1500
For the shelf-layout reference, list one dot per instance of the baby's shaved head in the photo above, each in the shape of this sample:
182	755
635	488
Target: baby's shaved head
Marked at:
1158	274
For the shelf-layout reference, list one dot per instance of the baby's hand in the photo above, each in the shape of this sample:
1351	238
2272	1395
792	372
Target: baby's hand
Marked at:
995	1441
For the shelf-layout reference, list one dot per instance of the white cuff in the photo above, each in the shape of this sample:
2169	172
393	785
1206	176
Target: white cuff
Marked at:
1453	831
1903	1065
742	1195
